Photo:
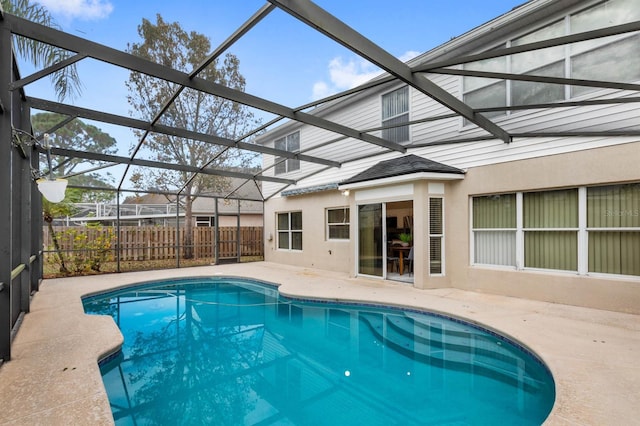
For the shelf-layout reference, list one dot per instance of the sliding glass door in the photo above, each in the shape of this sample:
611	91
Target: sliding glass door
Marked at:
370	239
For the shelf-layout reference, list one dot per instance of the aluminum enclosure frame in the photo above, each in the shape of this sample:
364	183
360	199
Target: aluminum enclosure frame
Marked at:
21	245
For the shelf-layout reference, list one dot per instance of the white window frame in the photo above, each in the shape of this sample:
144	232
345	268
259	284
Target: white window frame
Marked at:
289	232
582	238
386	120
518	255
328	224
567	59
439	236
585	235
575	230
205	221
289	164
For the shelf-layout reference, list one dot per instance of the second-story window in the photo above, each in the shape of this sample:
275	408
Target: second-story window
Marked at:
614	58
289	143
395	110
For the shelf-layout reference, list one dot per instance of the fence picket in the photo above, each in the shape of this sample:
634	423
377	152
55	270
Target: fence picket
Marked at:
158	242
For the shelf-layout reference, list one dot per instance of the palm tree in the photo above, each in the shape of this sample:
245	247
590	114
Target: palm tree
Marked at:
66	81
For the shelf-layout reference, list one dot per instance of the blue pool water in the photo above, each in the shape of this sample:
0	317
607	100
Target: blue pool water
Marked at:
227	351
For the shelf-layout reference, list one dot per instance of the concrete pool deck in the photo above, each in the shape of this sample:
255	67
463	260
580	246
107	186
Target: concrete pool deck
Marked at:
53	377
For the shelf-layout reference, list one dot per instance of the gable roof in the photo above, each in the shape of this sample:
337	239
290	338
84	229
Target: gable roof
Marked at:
405	165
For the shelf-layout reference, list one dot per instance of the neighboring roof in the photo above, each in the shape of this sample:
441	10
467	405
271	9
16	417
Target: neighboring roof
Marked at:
232	188
248	194
408	164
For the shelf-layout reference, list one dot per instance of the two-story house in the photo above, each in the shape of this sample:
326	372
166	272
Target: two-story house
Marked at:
510	155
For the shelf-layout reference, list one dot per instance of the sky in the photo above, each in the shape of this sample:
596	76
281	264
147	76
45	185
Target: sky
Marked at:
282	59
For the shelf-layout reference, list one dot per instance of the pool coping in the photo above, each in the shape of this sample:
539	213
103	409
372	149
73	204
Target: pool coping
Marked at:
53	377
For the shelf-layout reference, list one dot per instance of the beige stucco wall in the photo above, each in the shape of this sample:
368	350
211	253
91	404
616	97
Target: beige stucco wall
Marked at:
316	252
245	220
614	164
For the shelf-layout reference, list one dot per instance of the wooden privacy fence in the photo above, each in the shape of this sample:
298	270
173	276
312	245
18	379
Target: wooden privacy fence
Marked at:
158	242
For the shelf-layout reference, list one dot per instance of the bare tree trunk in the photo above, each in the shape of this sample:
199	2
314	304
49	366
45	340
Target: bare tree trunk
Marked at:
56	246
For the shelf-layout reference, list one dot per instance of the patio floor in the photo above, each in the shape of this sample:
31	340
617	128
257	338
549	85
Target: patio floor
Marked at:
53	377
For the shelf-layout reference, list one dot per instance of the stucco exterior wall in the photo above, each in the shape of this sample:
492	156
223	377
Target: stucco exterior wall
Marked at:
616	164
245	220
608	165
317	251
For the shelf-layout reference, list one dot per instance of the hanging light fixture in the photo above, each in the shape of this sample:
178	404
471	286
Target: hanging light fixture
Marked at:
51	189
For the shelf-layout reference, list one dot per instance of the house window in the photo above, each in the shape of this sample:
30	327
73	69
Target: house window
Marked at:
548	62
338	223
551	229
619	61
205	221
486	92
618	57
614	58
588	229
289	230
494	230
289	143
436	234
395	111
613	227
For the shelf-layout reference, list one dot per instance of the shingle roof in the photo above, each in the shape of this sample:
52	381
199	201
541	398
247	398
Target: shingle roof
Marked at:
402	166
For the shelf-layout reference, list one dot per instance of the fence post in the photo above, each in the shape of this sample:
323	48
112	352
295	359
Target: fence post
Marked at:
238	246
177	240
216	243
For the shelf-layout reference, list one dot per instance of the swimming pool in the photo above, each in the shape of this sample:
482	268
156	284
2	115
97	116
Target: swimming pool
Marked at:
229	351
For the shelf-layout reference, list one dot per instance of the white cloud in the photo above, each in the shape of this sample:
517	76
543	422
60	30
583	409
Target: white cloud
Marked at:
346	74
79	9
321	90
407	56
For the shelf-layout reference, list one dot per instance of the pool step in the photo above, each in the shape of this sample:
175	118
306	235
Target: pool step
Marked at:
450	348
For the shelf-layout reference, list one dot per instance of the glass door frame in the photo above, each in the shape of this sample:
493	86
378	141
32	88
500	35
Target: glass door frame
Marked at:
383	243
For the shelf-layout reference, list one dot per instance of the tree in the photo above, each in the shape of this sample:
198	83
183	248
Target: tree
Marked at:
79	136
168	44
66	81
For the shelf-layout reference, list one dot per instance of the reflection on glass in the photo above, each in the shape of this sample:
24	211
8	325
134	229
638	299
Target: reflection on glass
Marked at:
370	239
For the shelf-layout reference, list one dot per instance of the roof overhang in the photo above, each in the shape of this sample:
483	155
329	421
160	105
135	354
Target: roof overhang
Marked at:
309	190
394	180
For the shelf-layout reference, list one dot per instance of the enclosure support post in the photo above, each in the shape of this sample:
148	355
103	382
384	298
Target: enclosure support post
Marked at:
22	184
177	241
217	233
37	264
238	236
6	68
118	241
